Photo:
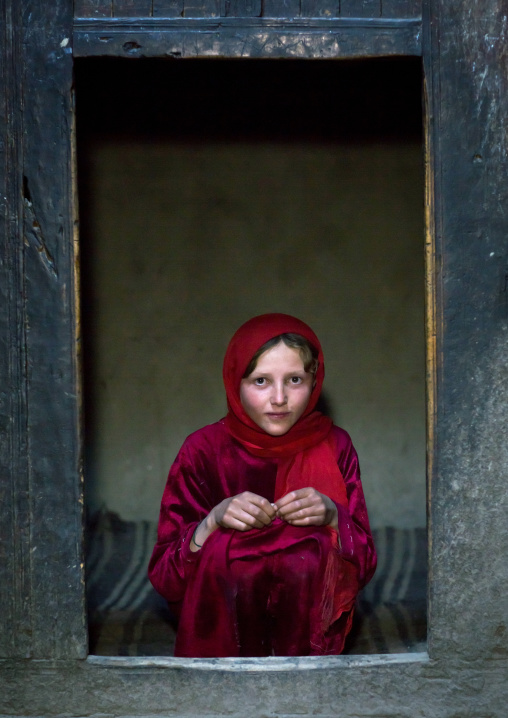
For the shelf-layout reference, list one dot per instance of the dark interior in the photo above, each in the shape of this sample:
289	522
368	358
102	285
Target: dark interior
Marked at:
359	101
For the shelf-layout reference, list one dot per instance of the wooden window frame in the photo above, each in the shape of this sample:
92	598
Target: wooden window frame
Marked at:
42	603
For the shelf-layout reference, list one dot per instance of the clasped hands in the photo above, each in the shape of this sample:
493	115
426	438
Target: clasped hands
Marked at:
246	511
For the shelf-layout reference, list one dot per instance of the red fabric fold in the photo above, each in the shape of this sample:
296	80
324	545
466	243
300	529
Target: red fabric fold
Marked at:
226	549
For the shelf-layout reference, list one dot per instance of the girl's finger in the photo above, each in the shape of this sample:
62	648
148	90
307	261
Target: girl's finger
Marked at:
296	495
238	525
258	514
300	505
293	506
256	505
307	521
246	517
303	514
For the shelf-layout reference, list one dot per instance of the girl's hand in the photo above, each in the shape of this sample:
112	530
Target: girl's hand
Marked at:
242	512
307	507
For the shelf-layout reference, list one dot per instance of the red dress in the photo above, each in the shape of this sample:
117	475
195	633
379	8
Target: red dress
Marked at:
259	592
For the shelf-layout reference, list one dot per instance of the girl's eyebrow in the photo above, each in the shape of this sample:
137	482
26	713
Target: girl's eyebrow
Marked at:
295	372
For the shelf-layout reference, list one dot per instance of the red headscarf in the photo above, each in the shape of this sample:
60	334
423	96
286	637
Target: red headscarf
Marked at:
305	453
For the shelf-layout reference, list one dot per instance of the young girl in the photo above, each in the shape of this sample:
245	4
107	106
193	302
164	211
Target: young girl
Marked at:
264	540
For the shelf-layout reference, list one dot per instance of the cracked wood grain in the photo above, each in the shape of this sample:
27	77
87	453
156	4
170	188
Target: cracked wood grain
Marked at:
34	236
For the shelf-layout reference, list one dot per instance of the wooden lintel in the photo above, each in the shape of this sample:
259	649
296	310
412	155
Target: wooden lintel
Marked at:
257	38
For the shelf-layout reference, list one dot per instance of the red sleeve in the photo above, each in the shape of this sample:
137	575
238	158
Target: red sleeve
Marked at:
186	501
354	529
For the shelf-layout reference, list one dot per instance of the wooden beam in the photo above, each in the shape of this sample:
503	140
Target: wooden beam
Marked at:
465	60
202	8
250	37
42	507
401	8
15	578
132	8
360	8
242	8
281	8
93	8
320	8
167	8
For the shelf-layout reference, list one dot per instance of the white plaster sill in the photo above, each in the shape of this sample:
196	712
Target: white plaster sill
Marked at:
269	665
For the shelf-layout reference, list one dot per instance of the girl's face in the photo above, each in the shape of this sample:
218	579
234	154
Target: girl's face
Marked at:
277	392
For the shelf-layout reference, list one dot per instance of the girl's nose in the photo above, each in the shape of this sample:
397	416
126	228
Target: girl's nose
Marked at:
279	395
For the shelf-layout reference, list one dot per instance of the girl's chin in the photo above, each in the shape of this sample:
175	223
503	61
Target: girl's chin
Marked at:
277	427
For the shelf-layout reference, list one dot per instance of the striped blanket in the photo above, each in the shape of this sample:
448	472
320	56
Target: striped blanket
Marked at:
127	617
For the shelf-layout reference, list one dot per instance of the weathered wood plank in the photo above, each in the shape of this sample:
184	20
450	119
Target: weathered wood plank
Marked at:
132	8
320	8
202	8
401	8
360	8
280	8
260	39
243	8
93	8
466	55
167	8
53	420
15	578
248	8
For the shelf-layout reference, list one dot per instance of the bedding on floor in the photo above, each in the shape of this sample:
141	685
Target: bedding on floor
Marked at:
126	617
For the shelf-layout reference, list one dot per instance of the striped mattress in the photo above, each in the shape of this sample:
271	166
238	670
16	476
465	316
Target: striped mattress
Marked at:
127	617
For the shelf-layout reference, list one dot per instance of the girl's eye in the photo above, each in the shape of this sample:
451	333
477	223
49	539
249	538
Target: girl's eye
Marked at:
259	381
296	380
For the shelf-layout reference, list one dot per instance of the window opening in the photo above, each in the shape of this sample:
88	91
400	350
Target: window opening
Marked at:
213	190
